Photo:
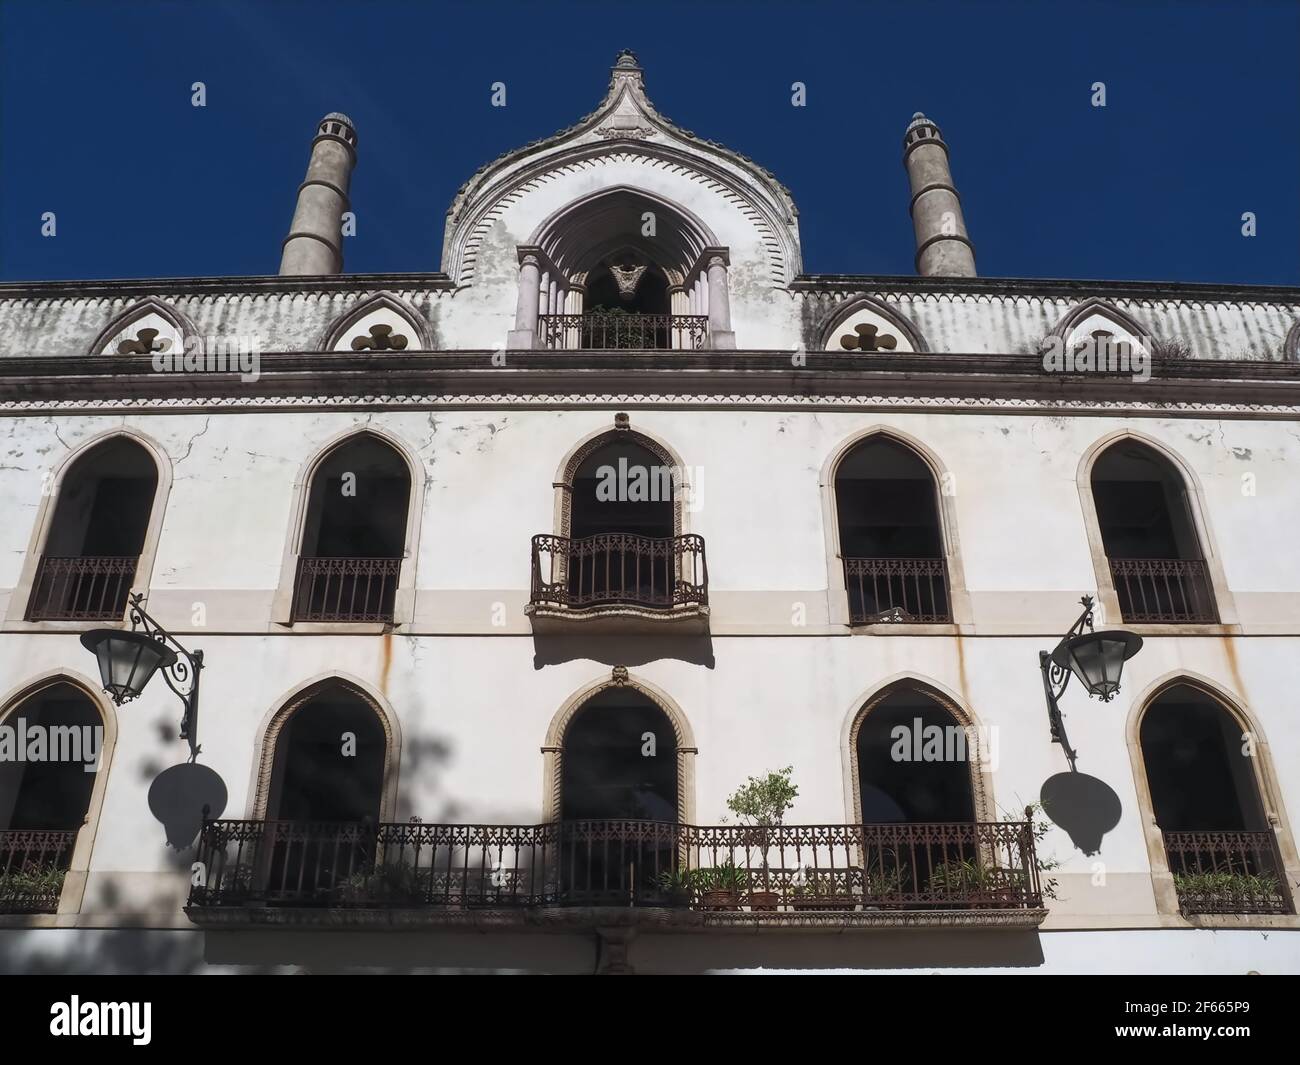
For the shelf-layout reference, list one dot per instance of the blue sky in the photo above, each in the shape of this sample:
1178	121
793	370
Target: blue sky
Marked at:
1202	123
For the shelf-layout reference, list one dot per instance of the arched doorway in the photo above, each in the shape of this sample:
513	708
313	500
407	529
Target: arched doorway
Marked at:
623	518
354	534
618	799
97	534
891	540
927	840
325	796
1200	765
1156	561
52	744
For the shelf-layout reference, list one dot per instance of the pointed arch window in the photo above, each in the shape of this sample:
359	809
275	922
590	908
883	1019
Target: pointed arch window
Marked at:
891	540
45	799
1156	560
620	546
98	531
353	538
1200	767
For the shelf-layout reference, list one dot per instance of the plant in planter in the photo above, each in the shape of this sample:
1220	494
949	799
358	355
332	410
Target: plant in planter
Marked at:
978	885
386	883
32	882
720	888
678	885
1222	890
761	803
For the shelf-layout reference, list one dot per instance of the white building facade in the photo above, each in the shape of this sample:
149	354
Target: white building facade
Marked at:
507	577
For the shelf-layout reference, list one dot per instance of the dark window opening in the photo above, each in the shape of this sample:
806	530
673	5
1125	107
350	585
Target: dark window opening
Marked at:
890	538
330	762
1145	520
354	536
97	534
914	763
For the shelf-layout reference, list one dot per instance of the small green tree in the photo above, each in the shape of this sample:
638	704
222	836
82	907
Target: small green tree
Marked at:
762	803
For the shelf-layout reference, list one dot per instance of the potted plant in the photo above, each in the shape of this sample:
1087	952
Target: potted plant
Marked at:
720	888
761	804
678	885
974	884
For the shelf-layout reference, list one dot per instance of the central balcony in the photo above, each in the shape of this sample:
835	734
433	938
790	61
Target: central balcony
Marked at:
576	873
622	332
622	578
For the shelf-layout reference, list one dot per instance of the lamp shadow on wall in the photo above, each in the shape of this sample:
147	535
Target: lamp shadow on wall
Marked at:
612	650
1084	806
178	797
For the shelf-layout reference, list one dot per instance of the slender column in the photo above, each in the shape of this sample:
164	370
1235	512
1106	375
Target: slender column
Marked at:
524	334
720	333
943	247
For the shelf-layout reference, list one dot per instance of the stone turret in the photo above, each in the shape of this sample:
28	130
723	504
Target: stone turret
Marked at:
943	248
315	241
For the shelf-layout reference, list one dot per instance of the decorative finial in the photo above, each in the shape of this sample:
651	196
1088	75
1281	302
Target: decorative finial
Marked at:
627	58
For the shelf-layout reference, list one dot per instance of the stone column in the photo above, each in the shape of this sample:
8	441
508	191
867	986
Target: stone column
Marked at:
943	248
524	334
720	332
315	241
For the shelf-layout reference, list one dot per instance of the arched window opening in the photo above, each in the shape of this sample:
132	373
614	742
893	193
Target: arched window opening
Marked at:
916	764
354	534
323	810
97	534
622	269
55	738
890	537
1145	518
618	771
1200	769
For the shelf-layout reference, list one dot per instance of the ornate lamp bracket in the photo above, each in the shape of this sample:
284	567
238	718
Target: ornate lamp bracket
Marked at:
1057	677
182	676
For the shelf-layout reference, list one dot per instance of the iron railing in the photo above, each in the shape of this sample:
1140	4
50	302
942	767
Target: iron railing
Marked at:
32	866
634	332
1163	590
619	569
346	589
87	588
1228	872
838	868
897	589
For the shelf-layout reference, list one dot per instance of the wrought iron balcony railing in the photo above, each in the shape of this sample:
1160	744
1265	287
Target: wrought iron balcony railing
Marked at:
1163	590
87	588
32	866
791	868
346	589
628	332
1228	872
619	569
897	589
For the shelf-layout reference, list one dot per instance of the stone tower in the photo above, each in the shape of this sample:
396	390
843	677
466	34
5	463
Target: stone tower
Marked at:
943	248
315	241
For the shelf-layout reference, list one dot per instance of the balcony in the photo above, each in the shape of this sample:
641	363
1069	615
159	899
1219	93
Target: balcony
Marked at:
897	590
623	578
87	588
572	873
622	332
1163	591
346	589
32	867
1227	872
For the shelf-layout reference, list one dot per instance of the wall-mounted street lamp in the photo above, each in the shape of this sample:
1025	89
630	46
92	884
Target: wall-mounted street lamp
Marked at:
127	660
1096	658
